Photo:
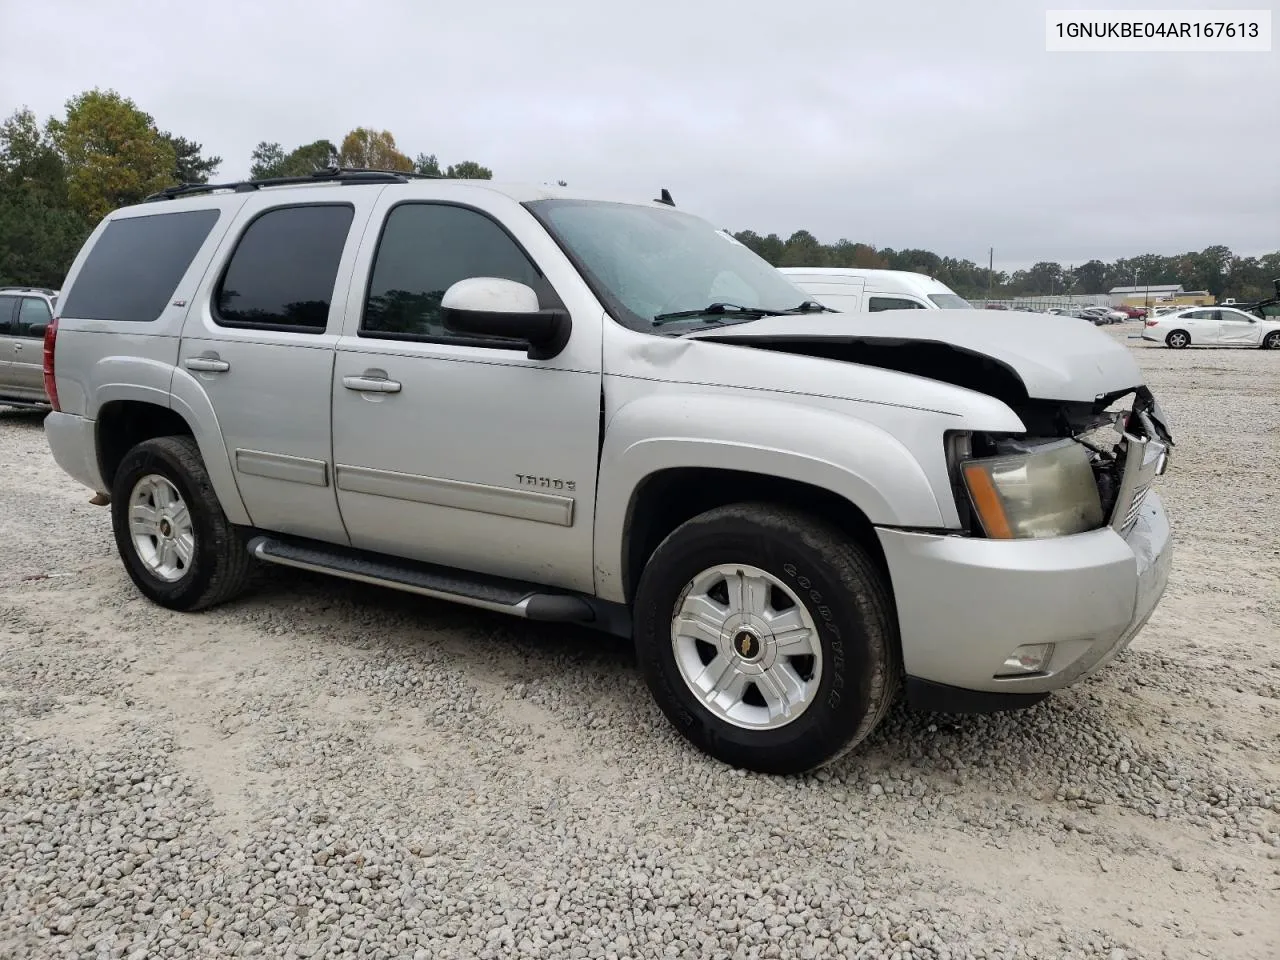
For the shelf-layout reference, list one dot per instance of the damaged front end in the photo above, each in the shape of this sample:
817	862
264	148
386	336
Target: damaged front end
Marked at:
1079	467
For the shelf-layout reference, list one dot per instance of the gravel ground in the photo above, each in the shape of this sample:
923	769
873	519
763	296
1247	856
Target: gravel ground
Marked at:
324	769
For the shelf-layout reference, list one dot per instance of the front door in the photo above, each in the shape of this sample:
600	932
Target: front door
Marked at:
1202	325
1236	328
460	452
259	342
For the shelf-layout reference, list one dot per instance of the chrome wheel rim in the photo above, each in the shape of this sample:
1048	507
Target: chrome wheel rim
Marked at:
746	647
160	527
1177	340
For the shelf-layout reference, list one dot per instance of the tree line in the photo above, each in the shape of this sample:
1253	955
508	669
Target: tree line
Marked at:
59	178
1215	269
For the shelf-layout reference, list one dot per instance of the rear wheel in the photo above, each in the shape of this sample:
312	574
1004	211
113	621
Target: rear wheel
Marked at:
1271	341
767	637
1178	339
177	545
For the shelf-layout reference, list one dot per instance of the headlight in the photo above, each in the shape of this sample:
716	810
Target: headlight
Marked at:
1047	492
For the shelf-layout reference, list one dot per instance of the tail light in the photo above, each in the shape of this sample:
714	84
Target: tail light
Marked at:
50	381
1151	323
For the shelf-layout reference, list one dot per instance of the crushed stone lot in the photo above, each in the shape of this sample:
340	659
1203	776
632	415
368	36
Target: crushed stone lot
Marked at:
326	769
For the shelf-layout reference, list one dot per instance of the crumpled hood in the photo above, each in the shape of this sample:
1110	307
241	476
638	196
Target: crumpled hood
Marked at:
1054	357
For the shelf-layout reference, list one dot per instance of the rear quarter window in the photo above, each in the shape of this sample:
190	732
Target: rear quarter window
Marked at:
135	266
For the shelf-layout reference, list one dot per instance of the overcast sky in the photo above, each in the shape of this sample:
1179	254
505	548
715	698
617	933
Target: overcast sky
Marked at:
940	124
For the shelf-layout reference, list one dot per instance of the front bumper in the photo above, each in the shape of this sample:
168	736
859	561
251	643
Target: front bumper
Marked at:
73	443
965	603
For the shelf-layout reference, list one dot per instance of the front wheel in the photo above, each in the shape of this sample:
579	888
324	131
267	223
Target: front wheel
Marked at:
1271	341
767	637
177	545
1178	339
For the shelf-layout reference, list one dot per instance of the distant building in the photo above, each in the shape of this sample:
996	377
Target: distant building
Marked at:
1162	294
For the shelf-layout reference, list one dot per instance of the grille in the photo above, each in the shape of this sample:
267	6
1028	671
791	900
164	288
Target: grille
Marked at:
1143	461
1135	505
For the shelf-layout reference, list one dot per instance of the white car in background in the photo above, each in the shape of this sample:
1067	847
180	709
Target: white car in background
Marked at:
1212	327
855	290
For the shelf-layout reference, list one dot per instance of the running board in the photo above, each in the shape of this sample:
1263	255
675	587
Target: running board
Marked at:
441	583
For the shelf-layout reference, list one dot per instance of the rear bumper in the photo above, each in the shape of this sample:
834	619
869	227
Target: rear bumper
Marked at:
73	445
964	604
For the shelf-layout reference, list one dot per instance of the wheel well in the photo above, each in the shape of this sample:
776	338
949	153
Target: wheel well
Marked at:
1178	330
668	498
123	424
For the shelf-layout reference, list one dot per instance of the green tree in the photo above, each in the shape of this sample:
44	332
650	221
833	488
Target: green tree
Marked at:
113	152
266	160
29	160
1091	277
468	170
38	239
190	166
802	249
427	164
363	147
269	159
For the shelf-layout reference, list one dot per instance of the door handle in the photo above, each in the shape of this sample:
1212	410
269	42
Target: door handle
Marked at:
208	364
17	347
371	384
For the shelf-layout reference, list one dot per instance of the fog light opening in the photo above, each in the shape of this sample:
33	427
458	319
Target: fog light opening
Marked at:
1028	659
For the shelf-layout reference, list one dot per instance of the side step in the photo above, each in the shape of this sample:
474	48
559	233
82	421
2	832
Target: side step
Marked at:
442	583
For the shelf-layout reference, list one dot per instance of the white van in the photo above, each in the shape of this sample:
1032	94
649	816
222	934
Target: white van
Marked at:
852	290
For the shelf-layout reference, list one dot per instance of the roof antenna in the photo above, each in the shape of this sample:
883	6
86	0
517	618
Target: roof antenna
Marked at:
666	198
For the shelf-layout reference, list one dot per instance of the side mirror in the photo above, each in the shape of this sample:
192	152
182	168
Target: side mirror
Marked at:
494	307
37	329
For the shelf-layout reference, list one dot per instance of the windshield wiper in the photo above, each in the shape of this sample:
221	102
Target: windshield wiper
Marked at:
812	306
720	308
714	310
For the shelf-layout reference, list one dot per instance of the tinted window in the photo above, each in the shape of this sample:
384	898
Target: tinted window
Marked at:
6	314
876	304
284	269
425	249
135	266
33	313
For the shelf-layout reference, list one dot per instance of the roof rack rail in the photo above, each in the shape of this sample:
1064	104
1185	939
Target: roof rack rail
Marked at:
47	291
323	175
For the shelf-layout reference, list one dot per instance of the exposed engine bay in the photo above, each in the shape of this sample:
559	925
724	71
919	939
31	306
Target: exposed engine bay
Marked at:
1110	426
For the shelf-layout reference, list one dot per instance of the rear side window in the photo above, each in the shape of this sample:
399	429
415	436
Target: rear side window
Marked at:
135	266
876	304
284	269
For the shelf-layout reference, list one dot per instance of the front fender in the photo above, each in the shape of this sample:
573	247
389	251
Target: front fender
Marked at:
849	457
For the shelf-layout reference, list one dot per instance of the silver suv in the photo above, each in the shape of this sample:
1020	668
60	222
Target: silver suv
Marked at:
25	314
613	414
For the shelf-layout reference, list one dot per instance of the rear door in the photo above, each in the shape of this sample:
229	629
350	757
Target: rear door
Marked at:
29	326
8	313
259	342
1236	328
